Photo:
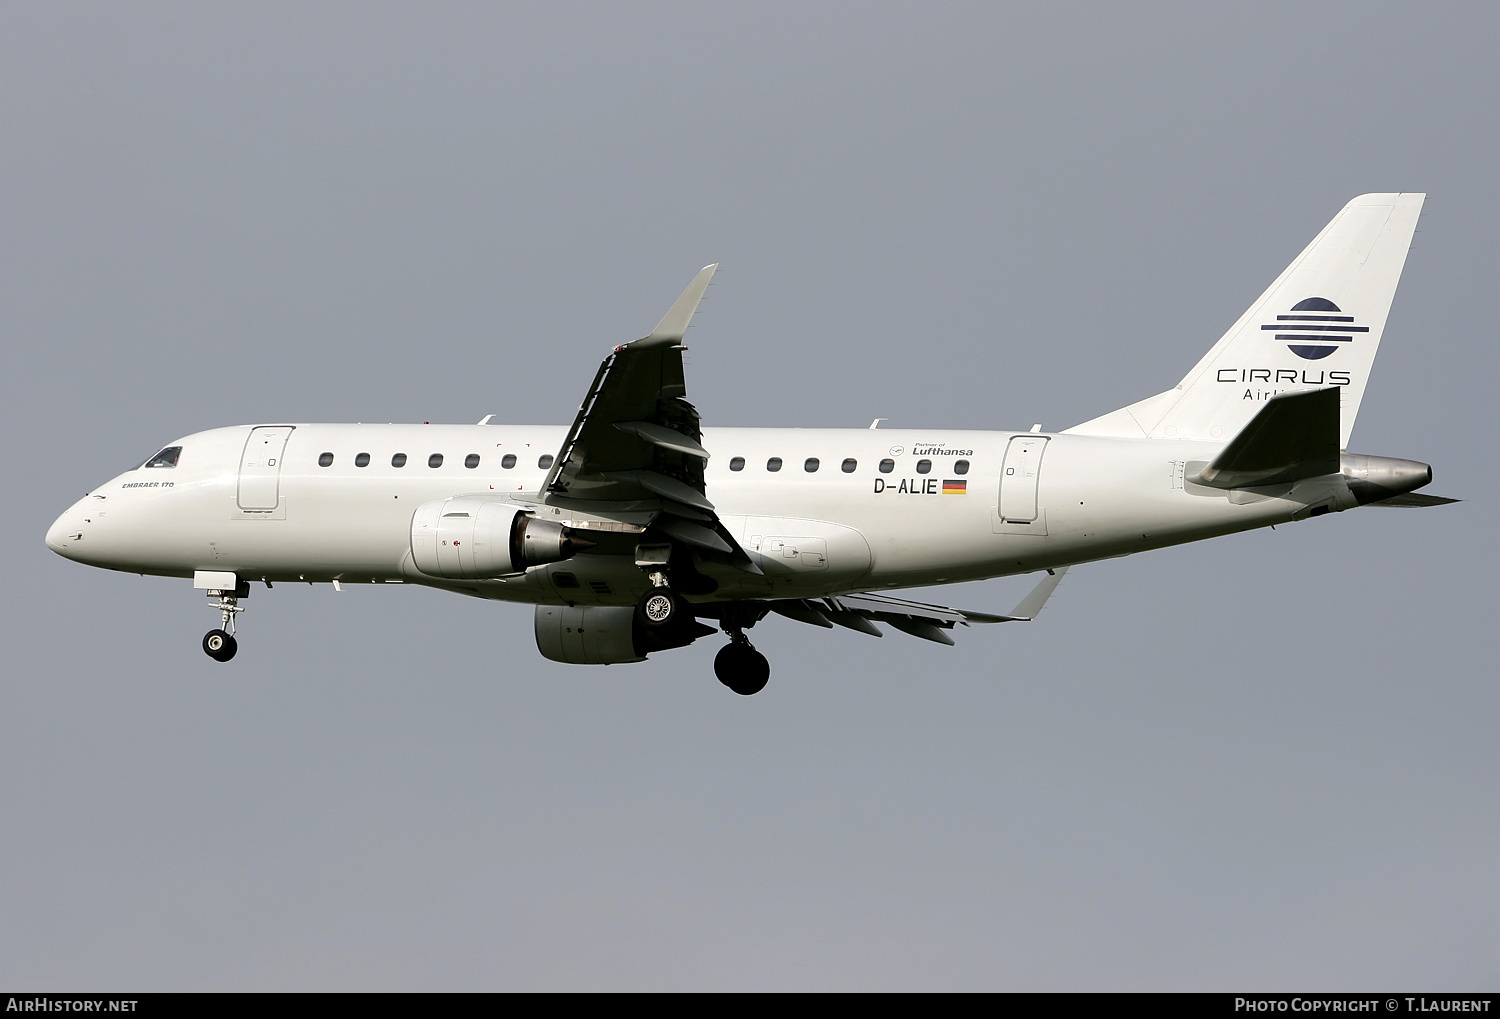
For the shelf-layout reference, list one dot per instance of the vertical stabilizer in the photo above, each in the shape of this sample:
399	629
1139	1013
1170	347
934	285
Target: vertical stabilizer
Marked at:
1318	326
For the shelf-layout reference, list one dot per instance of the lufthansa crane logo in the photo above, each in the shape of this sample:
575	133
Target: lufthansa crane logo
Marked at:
1315	328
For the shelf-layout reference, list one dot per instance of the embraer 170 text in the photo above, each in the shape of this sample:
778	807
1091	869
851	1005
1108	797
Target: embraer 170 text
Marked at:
632	526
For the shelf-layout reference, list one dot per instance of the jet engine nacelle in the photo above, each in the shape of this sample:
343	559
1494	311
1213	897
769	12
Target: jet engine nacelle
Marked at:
607	634
471	537
1372	478
587	634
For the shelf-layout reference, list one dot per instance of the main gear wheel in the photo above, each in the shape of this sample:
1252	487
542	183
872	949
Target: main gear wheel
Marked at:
742	668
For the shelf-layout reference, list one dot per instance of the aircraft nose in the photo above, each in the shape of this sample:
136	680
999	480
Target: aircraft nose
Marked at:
66	532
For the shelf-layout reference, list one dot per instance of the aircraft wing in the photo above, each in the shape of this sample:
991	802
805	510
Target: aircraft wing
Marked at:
930	622
1415	500
635	447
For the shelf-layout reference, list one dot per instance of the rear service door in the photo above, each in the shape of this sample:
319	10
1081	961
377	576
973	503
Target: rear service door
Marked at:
260	467
1018	479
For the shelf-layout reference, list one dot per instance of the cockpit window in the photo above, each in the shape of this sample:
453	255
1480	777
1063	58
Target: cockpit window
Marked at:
166	458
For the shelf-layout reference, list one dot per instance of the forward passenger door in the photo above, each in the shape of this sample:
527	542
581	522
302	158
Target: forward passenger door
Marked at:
260	468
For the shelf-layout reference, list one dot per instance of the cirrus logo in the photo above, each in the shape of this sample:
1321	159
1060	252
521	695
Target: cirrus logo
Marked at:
1315	328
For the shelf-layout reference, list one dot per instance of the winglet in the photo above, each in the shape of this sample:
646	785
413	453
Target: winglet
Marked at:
1031	605
673	325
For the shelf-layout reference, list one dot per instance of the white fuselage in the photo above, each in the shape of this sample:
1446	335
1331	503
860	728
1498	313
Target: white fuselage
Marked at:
813	532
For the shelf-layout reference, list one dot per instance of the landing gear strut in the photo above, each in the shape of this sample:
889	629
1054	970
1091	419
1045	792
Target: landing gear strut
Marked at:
738	665
659	607
220	644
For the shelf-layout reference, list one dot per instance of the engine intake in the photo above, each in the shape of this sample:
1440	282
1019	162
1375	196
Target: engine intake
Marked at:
471	537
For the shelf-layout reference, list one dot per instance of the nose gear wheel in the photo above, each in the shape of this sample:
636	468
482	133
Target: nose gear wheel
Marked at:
219	646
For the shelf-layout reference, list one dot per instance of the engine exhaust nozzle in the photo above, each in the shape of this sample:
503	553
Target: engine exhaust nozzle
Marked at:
1373	478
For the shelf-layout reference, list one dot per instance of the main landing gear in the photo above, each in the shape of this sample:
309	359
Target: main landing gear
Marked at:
738	665
742	668
220	644
660	607
661	611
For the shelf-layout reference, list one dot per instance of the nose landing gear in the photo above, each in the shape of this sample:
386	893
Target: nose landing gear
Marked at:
220	644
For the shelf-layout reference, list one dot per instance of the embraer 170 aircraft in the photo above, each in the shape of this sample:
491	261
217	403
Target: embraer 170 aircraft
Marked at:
628	528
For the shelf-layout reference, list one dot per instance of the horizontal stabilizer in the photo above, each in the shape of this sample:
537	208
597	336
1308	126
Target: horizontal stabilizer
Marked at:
1294	436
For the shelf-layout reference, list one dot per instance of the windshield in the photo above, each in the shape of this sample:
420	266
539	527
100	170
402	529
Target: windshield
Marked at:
166	458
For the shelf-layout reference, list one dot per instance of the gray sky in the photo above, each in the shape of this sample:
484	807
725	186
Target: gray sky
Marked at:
1262	762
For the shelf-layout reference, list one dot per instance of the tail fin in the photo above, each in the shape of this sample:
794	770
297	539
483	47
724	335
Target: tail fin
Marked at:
1318	325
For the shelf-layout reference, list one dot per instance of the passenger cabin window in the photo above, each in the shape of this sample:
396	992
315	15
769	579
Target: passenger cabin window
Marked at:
435	460
398	460
471	461
545	463
737	464
887	465
961	467
363	460
810	465
849	466
924	466
774	464
508	461
325	459
166	458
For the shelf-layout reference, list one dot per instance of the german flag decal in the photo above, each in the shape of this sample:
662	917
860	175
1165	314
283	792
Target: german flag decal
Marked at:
955	487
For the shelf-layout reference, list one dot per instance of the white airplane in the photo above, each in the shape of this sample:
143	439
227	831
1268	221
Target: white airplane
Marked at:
625	532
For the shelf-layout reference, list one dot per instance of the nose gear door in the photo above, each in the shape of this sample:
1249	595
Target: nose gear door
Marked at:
260	467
